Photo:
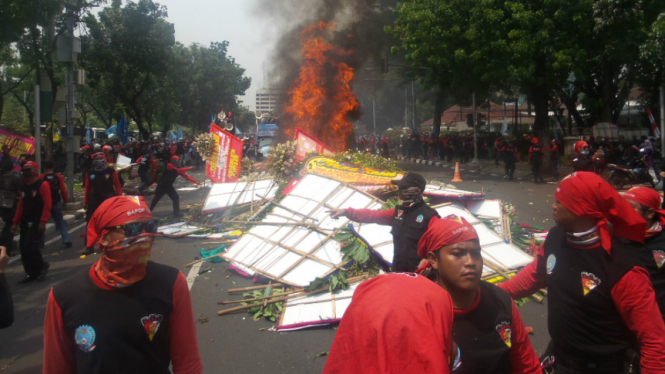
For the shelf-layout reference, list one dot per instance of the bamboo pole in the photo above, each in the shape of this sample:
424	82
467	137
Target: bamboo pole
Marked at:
203	259
225	302
252	288
279	299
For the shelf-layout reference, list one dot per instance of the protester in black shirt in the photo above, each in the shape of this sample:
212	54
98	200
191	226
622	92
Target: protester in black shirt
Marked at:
10	190
6	303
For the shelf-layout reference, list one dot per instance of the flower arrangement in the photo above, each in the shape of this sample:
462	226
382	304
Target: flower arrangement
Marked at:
205	145
367	159
282	160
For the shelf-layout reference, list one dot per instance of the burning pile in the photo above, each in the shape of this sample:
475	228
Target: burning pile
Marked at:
321	100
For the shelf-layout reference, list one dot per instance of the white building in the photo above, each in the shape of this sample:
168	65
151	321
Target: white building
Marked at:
267	99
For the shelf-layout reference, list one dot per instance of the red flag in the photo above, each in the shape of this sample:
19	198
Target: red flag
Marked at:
654	125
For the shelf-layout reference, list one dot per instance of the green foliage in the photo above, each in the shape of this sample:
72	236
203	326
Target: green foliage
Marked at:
271	311
390	203
368	160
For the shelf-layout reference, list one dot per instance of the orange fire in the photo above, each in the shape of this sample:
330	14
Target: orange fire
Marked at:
321	98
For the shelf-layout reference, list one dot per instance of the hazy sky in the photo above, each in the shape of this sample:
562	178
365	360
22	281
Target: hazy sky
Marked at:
205	21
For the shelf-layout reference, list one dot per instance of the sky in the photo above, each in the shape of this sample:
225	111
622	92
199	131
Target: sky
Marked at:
205	21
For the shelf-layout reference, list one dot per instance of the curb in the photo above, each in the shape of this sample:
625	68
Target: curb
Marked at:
425	162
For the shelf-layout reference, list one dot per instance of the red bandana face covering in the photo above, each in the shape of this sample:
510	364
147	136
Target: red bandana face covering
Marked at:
124	262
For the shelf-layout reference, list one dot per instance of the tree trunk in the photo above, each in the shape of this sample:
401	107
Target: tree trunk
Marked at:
539	98
438	112
607	94
2	106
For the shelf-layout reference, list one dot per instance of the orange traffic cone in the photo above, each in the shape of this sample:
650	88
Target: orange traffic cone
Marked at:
457	177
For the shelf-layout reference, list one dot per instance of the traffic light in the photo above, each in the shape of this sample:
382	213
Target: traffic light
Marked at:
479	119
469	120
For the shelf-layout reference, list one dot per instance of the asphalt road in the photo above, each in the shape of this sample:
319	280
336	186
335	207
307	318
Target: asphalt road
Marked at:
235	343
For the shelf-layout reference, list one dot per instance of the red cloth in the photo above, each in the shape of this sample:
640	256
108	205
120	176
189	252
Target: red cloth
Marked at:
647	197
523	358
380	217
396	323
445	231
115	211
59	347
587	195
45	193
578	146
63	187
88	191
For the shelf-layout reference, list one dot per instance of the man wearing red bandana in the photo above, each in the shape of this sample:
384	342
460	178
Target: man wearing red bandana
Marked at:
601	306
646	202
125	314
487	327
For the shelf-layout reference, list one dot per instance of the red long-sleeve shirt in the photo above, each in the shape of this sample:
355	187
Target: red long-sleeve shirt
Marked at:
63	188
45	193
633	296
523	359
181	172
381	217
116	185
59	345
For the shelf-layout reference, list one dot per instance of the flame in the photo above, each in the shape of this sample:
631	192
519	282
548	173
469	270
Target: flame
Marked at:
321	98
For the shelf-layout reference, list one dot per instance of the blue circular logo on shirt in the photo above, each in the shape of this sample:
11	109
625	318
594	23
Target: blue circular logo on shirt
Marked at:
85	338
420	218
551	262
92	176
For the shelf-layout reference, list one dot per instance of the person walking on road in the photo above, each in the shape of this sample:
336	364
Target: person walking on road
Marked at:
10	190
536	156
409	221
124	314
165	185
102	183
34	208
59	196
145	162
510	157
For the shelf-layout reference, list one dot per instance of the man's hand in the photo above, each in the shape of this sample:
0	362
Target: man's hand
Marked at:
12	229
42	227
336	213
4	259
425	272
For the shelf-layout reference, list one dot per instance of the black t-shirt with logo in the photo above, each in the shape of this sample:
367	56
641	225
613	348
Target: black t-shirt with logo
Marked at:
408	226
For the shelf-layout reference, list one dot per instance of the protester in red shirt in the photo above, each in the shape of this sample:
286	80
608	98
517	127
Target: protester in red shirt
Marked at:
487	328
397	323
34	208
600	299
165	185
125	314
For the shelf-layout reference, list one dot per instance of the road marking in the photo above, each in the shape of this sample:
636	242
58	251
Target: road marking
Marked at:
17	257
193	274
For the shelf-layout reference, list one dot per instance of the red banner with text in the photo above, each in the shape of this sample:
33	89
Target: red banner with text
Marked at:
224	164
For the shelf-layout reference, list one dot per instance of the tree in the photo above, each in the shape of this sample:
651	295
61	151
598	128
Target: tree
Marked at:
126	54
207	80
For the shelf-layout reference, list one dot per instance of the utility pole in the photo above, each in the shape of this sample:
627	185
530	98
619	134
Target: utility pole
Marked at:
374	111
406	107
38	130
413	113
662	119
72	9
475	134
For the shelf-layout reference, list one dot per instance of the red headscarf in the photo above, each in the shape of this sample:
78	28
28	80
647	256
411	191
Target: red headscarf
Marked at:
445	231
588	195
115	211
647	197
578	146
396	323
